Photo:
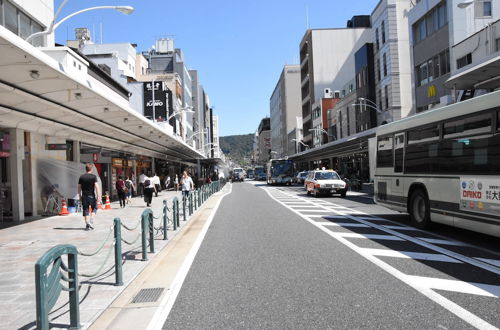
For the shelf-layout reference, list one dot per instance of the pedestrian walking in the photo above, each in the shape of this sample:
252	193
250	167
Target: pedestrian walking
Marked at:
176	183
187	185
157	183
129	184
121	190
167	182
89	193
142	178
149	189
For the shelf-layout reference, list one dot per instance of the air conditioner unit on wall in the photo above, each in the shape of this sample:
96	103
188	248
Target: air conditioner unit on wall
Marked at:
327	93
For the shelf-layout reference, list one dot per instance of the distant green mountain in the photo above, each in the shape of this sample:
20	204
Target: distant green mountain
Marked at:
237	147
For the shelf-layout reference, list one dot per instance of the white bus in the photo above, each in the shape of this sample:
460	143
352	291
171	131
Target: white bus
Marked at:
443	165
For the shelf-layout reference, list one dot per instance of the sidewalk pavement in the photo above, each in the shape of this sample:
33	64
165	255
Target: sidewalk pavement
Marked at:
22	245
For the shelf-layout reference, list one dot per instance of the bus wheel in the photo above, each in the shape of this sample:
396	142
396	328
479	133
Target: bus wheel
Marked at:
419	209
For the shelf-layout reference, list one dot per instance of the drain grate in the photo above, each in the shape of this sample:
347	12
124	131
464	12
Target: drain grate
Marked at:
148	295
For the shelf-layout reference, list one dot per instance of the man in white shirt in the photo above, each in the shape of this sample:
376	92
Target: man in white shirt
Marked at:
157	183
142	178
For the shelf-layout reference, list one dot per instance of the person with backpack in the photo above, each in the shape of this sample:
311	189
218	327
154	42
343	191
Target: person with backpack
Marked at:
149	189
122	190
130	188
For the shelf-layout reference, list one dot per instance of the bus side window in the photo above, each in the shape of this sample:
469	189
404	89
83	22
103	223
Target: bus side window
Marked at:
399	143
384	151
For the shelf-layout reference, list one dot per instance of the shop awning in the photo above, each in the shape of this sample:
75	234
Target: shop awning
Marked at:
482	76
75	106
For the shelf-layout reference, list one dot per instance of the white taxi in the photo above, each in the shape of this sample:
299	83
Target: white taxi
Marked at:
326	182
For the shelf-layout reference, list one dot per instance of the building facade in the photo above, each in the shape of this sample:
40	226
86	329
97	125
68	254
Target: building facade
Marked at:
285	106
264	141
326	62
391	51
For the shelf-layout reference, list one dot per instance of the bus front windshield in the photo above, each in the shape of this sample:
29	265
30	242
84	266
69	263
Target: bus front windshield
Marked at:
282	168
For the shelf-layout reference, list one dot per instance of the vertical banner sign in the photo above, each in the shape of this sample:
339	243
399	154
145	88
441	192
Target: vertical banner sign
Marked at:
480	195
160	100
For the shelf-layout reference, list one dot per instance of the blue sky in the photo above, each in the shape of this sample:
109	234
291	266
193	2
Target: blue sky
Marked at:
238	47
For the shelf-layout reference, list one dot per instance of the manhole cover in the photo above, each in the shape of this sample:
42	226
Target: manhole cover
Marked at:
148	295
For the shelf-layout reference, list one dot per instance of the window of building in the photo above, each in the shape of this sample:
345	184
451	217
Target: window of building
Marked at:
497	44
380	98
386	92
483	8
422	30
464	60
378	69
10	16
382	27
429	22
444	62
377	43
422	74
441	9
24	26
384	58
430	70
435	62
1	13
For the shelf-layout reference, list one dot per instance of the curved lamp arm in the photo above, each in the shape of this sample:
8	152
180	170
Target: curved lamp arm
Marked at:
122	9
367	105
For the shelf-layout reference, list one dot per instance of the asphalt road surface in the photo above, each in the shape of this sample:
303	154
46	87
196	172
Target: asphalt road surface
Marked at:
274	258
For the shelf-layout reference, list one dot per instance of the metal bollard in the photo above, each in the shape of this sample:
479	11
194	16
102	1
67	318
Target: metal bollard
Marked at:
144	228
165	219
175	212
151	233
118	252
184	208
199	196
190	203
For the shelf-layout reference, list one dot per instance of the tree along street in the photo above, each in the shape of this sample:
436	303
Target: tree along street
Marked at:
276	258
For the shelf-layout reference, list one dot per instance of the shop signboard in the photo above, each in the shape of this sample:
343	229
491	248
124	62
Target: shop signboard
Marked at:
57	146
161	100
95	157
4	154
117	162
480	195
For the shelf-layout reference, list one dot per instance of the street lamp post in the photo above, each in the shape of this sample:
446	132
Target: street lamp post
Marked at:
368	105
179	112
53	26
322	130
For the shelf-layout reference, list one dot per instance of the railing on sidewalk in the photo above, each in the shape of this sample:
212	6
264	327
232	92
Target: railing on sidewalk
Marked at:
49	286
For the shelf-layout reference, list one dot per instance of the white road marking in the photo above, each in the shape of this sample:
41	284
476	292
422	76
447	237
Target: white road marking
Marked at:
454	308
479	289
441	241
306	210
490	261
370	236
400	227
168	300
345	224
327	216
410	255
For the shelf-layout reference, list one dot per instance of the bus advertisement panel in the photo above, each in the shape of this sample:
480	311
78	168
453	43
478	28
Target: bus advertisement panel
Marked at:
480	195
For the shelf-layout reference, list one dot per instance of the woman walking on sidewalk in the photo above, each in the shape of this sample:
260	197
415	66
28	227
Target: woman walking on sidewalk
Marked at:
122	190
129	184
187	185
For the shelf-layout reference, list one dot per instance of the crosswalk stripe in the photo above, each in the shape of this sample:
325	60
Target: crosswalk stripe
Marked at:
410	255
399	227
480	289
345	224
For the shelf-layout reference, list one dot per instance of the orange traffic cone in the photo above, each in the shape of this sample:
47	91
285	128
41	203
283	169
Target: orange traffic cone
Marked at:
64	208
108	203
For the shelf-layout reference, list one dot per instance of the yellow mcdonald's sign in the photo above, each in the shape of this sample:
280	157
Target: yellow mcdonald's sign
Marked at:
431	91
